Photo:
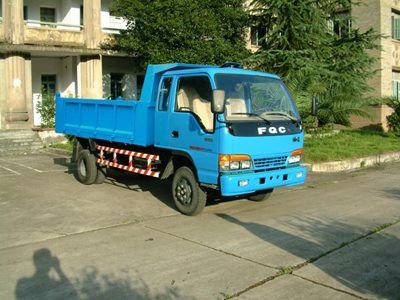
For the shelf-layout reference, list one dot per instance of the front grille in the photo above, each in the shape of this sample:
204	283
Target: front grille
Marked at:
270	162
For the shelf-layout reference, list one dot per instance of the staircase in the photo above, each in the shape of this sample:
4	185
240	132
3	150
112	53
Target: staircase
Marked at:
19	141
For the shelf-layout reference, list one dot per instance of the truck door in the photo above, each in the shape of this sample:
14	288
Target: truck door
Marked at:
192	125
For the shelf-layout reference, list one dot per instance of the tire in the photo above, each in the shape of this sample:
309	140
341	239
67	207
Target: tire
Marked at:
261	196
86	167
101	175
188	197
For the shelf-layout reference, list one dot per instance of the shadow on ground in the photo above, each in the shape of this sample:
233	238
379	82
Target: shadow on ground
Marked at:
393	193
50	282
160	189
373	268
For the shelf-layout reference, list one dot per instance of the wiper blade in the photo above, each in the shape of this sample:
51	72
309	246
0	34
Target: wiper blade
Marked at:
268	122
293	119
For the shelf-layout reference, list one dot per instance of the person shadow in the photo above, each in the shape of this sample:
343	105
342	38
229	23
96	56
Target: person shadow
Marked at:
50	282
42	284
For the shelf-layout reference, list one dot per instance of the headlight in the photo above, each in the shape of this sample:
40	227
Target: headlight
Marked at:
235	165
246	164
296	156
234	162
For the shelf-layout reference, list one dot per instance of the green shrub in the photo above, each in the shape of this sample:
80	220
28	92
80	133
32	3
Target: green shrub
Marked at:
47	109
394	118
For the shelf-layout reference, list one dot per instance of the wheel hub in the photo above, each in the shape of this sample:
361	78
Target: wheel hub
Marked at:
82	168
183	192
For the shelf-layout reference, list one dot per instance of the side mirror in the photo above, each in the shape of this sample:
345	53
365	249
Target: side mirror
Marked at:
218	102
314	106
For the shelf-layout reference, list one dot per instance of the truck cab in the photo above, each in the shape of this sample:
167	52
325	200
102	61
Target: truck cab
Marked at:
225	129
251	145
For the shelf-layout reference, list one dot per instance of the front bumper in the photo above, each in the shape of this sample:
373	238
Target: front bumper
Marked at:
230	184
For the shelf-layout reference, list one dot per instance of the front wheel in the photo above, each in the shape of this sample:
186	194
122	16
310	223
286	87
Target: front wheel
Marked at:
261	196
188	196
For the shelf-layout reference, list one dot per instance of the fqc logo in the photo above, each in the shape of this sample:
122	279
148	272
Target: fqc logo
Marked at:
271	130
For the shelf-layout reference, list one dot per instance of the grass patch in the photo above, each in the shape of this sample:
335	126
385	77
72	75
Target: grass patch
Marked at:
349	144
65	146
286	270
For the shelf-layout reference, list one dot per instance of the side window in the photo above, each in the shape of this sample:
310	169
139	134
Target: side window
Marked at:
194	95
163	95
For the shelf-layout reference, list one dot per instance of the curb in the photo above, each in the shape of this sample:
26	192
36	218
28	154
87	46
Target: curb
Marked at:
353	164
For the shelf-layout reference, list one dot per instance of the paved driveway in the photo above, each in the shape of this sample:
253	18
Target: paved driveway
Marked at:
338	237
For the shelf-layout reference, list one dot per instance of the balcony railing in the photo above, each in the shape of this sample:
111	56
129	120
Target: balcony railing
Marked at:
41	24
113	25
112	30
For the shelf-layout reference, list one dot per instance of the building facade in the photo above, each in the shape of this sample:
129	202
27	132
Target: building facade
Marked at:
384	17
56	45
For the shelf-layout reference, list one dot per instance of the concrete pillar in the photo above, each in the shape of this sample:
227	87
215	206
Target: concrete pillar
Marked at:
92	23
13	21
2	93
28	90
67	80
16	108
91	77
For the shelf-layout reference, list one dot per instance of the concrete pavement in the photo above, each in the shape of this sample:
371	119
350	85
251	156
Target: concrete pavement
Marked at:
337	237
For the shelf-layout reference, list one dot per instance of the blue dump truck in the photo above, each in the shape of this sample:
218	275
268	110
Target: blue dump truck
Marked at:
224	129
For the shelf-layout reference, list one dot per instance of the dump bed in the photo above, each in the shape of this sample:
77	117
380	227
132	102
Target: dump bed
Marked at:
130	122
125	121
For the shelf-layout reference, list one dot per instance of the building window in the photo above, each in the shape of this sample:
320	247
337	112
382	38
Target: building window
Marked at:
81	14
116	85
25	13
48	16
395	26
396	84
257	34
341	24
49	83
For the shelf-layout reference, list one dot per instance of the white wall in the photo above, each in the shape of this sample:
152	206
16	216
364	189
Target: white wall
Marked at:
110	23
67	12
65	70
70	13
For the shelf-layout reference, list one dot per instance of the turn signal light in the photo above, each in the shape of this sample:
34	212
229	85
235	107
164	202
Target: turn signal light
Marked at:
296	156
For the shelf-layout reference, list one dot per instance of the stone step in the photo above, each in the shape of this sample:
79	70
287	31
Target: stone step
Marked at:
19	141
4	133
12	149
22	146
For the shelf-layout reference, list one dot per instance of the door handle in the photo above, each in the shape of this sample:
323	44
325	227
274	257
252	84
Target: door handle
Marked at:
175	134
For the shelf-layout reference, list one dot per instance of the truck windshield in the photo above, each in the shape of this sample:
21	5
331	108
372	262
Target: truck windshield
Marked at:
251	97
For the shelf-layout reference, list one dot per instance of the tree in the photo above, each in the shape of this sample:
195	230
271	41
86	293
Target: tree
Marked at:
195	31
315	50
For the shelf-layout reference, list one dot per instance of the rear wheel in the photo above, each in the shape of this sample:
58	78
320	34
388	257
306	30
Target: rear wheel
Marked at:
188	196
261	196
86	168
